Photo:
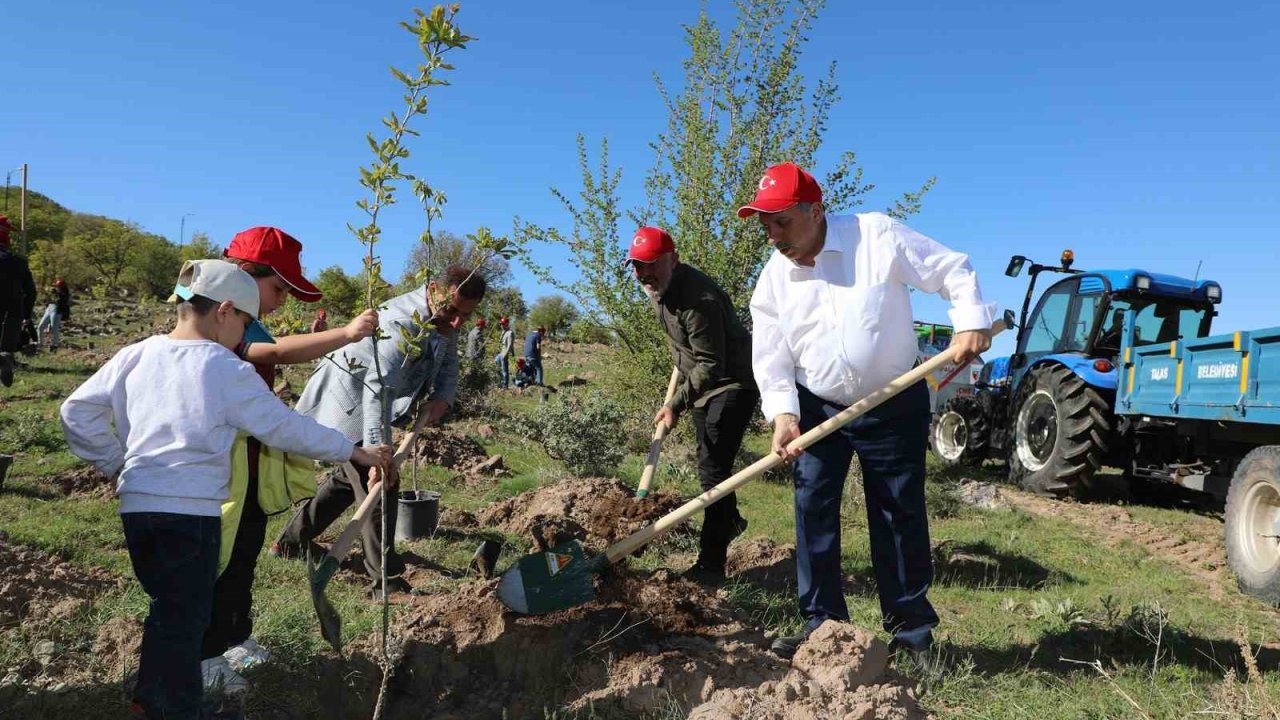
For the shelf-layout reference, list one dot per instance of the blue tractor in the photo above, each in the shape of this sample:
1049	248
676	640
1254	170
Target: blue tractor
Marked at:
1049	409
1117	368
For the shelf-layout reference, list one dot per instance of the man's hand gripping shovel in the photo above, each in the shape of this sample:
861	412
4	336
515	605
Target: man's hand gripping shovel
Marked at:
563	577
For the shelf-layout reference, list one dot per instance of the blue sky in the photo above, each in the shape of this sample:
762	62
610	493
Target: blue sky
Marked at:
1137	133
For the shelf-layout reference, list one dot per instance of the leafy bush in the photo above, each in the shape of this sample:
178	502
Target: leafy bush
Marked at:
31	431
476	378
582	430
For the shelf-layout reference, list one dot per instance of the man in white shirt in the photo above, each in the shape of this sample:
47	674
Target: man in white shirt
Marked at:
831	316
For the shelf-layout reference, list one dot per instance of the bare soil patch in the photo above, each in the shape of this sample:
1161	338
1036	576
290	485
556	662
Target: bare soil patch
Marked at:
593	510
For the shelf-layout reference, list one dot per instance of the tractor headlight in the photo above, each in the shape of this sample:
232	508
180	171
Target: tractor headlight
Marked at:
1213	291
1142	282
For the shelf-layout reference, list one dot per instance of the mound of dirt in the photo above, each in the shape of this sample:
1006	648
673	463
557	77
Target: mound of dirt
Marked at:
594	510
840	672
84	480
650	642
763	563
36	586
455	518
450	449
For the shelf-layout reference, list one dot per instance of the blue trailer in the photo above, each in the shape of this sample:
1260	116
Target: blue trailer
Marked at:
1118	368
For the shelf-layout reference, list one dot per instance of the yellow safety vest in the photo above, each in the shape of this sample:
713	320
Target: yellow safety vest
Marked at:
284	479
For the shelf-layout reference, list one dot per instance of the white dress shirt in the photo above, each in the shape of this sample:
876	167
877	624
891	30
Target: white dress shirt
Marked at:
843	328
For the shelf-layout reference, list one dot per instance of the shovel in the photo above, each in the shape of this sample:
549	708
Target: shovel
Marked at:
321	573
563	577
655	446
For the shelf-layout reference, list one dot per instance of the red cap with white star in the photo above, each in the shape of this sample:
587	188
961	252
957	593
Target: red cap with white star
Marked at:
781	187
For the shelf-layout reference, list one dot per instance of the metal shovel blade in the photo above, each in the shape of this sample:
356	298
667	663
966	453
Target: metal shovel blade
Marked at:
545	582
330	621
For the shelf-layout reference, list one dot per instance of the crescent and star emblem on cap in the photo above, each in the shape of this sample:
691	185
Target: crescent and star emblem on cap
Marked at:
637	241
766	182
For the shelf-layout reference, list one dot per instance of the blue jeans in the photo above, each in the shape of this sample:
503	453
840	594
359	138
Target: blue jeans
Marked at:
176	559
535	364
504	369
890	441
52	322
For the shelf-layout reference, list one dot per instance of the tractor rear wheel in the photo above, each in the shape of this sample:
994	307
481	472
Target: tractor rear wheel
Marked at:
1060	431
1253	523
960	433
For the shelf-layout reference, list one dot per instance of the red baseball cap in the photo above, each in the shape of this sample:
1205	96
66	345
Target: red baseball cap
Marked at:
649	244
504	322
5	229
481	322
781	187
277	250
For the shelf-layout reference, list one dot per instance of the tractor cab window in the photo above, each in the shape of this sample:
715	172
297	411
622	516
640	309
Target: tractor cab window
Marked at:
1164	322
1065	318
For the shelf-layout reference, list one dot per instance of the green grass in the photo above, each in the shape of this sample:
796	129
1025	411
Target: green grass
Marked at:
1027	603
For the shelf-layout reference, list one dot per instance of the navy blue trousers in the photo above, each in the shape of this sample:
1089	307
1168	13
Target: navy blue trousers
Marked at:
176	559
890	441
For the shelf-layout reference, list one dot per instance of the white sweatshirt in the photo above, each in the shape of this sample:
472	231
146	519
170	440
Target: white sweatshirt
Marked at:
177	405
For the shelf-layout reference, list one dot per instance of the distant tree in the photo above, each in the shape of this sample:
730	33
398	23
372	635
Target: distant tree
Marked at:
200	247
107	246
343	293
52	260
504	302
740	105
553	312
153	267
428	261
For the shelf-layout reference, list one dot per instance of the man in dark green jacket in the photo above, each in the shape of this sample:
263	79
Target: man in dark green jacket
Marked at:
713	354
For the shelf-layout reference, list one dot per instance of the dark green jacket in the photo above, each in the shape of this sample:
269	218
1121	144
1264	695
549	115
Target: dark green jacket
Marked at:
711	348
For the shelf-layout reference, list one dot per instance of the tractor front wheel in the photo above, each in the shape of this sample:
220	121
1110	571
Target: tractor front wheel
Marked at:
1060	433
959	435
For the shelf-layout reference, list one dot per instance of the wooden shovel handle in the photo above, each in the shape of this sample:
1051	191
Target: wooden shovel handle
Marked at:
342	545
655	445
644	535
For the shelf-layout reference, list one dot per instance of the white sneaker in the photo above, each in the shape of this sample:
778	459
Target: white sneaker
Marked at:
219	677
246	655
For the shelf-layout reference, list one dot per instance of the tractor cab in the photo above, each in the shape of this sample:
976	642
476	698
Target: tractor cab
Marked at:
1051	412
1091	316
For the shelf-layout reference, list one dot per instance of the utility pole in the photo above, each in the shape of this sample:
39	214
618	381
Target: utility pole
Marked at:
25	249
182	229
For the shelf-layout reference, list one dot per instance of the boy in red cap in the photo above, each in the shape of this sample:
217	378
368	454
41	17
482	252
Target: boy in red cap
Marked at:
159	418
263	477
17	301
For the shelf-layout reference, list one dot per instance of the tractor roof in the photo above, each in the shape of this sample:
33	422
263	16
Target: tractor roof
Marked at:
1160	284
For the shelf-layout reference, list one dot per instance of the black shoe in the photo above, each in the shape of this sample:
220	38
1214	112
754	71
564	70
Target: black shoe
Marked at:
926	662
705	574
396	585
786	646
6	369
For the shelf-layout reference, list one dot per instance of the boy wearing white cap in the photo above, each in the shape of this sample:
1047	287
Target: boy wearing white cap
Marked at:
177	402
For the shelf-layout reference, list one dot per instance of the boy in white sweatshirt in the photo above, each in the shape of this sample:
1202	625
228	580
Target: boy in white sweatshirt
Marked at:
177	402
